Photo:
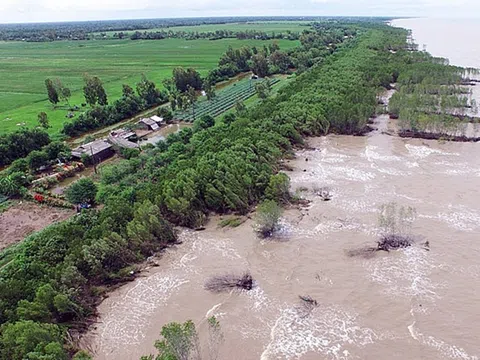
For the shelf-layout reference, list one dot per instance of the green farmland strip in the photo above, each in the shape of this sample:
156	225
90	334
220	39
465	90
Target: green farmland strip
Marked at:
223	102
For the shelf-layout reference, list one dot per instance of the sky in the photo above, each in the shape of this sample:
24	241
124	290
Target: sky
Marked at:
12	11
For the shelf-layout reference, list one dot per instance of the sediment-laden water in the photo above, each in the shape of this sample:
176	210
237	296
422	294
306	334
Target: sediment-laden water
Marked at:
408	304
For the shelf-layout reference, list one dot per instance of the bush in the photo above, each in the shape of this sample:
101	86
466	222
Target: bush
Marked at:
37	159
166	114
267	218
129	153
81	192
9	185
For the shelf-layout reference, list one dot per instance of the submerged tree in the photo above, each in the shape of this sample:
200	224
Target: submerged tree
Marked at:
395	223
181	341
215	338
229	282
267	219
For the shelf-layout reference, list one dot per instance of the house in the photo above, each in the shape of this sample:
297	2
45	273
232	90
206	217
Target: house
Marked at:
122	141
99	150
148	124
123	133
157	119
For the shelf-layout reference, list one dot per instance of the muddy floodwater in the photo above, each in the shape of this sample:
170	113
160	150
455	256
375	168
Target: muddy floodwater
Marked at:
408	304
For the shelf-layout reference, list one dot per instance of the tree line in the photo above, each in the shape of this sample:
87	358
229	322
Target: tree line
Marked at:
101	114
210	35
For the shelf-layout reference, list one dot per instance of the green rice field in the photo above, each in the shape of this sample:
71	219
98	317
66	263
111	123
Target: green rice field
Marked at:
25	66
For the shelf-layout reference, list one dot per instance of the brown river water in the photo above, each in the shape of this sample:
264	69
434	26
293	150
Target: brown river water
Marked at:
406	304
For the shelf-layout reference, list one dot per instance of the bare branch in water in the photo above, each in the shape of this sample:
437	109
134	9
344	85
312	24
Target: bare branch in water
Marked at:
229	281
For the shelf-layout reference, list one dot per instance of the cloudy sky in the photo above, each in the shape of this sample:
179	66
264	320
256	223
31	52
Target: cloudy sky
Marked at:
68	10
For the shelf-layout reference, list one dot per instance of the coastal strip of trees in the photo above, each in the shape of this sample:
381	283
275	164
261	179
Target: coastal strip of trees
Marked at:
51	282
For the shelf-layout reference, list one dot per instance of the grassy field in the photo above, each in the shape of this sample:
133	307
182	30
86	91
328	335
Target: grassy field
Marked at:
267	26
25	66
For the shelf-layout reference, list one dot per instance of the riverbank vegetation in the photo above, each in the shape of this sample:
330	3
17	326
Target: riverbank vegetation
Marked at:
52	281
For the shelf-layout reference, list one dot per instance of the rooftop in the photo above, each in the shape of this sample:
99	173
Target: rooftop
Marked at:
94	147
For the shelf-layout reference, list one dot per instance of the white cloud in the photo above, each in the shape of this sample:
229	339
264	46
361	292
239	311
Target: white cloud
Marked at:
58	10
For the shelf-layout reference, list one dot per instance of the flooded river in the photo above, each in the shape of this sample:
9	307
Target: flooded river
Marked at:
408	304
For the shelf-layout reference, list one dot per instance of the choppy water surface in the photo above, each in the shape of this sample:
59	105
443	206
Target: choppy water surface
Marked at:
454	39
410	304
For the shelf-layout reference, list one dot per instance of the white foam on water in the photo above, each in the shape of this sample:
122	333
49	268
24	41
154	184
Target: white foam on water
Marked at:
405	273
458	217
350	173
212	312
446	350
391	171
357	205
337	225
124	323
421	152
371	154
260	300
411	165
287	230
327	331
209	245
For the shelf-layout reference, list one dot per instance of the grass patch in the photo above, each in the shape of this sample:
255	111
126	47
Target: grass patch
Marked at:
5	205
232	222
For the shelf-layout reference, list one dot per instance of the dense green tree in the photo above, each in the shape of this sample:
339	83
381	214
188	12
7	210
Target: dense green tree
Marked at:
30	340
184	79
127	91
278	188
94	91
262	90
147	91
259	65
63	92
229	118
56	150
148	226
51	92
180	342
192	98
203	123
37	159
165	113
82	191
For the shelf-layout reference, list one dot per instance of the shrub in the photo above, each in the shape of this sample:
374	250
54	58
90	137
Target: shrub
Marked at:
36	159
82	191
267	218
